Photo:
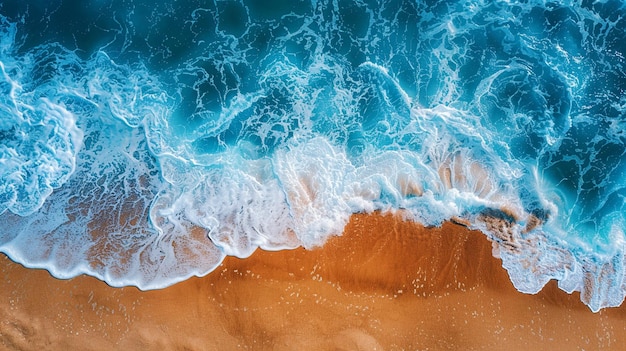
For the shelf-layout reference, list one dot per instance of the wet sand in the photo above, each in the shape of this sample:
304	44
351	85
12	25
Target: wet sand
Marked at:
384	285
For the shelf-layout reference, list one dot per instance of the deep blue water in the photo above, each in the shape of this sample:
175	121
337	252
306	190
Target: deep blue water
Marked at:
141	142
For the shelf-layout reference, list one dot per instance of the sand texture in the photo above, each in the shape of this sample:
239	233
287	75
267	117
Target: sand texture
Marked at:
384	285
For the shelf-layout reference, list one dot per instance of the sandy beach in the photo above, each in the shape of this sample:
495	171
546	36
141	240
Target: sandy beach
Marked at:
383	285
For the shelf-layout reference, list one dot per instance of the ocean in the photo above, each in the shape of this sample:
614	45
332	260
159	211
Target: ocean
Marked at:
141	142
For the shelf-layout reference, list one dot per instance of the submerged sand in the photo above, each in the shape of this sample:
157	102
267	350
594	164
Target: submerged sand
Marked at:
383	285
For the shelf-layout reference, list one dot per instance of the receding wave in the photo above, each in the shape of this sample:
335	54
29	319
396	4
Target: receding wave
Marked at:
142	144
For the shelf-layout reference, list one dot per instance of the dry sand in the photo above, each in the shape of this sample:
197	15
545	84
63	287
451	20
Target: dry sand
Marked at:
383	285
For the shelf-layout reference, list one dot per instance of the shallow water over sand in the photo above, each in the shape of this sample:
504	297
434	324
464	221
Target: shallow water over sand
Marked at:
440	290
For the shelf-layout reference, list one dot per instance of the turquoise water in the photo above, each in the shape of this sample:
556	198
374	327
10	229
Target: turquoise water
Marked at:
141	142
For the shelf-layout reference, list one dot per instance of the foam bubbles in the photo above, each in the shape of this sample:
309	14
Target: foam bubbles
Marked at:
40	141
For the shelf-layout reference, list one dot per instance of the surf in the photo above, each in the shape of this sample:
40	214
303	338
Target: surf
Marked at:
144	159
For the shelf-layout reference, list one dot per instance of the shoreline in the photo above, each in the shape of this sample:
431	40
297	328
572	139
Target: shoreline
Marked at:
384	284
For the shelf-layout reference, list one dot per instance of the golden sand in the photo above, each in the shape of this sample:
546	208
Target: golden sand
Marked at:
384	285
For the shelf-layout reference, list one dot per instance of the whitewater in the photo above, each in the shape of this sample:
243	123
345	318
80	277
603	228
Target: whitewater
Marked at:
143	142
